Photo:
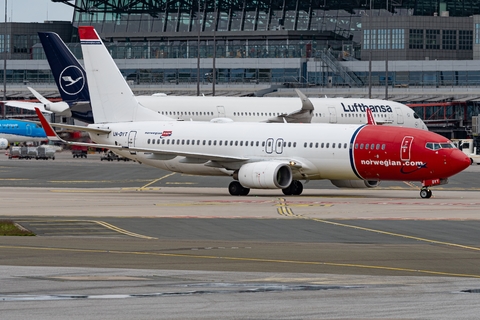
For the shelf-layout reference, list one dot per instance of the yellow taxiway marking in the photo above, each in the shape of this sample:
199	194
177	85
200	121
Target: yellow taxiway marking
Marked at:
105	225
156	180
120	230
282	261
285	210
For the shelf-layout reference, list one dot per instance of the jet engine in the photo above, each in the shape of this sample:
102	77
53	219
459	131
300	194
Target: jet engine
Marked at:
60	108
265	175
3	143
355	183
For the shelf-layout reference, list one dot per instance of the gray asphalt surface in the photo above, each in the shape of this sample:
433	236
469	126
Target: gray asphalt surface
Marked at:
125	241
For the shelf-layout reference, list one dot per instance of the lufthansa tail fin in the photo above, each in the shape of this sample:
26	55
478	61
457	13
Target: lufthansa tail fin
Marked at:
67	71
111	98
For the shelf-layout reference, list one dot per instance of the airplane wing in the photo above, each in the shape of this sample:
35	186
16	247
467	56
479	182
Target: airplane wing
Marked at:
304	115
52	136
26	105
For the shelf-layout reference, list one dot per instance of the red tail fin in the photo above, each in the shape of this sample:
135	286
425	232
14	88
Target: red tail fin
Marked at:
370	118
46	126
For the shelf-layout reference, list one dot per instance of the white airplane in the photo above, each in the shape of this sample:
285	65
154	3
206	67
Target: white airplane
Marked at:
65	67
257	155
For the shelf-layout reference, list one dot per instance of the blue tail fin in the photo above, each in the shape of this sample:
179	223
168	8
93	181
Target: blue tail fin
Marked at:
69	75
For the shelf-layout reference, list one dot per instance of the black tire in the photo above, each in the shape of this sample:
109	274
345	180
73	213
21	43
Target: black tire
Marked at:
425	193
294	189
236	189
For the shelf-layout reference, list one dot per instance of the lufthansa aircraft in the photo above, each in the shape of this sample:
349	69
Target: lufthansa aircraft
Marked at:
19	131
72	85
257	155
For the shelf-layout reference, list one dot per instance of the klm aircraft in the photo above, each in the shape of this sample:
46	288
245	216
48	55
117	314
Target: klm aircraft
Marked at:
19	131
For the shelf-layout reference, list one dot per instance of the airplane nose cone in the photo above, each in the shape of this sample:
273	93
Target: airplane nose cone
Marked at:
458	161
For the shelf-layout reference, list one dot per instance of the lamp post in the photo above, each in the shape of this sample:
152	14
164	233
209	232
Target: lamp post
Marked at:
214	75
5	64
198	50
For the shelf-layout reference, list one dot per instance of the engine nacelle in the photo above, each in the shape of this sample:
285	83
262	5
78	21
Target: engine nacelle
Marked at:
3	143
265	175
60	108
355	183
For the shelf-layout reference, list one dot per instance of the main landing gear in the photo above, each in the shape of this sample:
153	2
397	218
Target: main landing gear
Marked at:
425	193
294	189
236	189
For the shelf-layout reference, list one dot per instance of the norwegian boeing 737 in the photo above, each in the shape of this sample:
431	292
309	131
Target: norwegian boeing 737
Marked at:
257	155
65	67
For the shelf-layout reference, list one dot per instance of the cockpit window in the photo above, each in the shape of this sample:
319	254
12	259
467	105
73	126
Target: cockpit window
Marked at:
415	115
439	145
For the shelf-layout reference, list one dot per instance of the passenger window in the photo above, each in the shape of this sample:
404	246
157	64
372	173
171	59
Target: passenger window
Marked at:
204	142
378	147
305	145
333	145
168	141
158	141
241	143
372	146
322	145
163	141
209	142
220	142
316	145
294	144
214	142
256	144
148	141
327	145
236	143
383	146
289	144
345	146
366	146
231	143
183	142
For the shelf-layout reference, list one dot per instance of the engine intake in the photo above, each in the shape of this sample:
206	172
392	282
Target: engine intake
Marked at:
265	175
3	143
355	183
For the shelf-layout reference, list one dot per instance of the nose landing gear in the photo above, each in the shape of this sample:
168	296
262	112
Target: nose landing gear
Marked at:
425	193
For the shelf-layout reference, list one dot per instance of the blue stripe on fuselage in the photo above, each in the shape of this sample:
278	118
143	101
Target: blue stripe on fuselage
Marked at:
352	162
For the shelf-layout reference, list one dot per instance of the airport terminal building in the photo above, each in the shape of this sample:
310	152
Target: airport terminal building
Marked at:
402	45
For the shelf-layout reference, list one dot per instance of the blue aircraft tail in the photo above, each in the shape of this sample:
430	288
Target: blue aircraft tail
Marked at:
69	75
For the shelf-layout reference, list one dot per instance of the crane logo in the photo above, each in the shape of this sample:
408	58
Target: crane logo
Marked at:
71	80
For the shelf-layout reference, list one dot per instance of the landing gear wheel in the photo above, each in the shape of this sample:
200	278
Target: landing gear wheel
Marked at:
425	193
295	188
236	189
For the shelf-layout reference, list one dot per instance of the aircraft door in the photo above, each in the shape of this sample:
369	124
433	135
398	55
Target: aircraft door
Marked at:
406	148
269	145
399	115
29	129
131	140
221	111
332	114
279	146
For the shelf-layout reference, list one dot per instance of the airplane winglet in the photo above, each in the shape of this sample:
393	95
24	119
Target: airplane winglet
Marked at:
51	134
370	118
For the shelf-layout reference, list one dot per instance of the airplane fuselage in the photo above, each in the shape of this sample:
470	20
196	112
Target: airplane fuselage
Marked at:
315	151
253	109
21	131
